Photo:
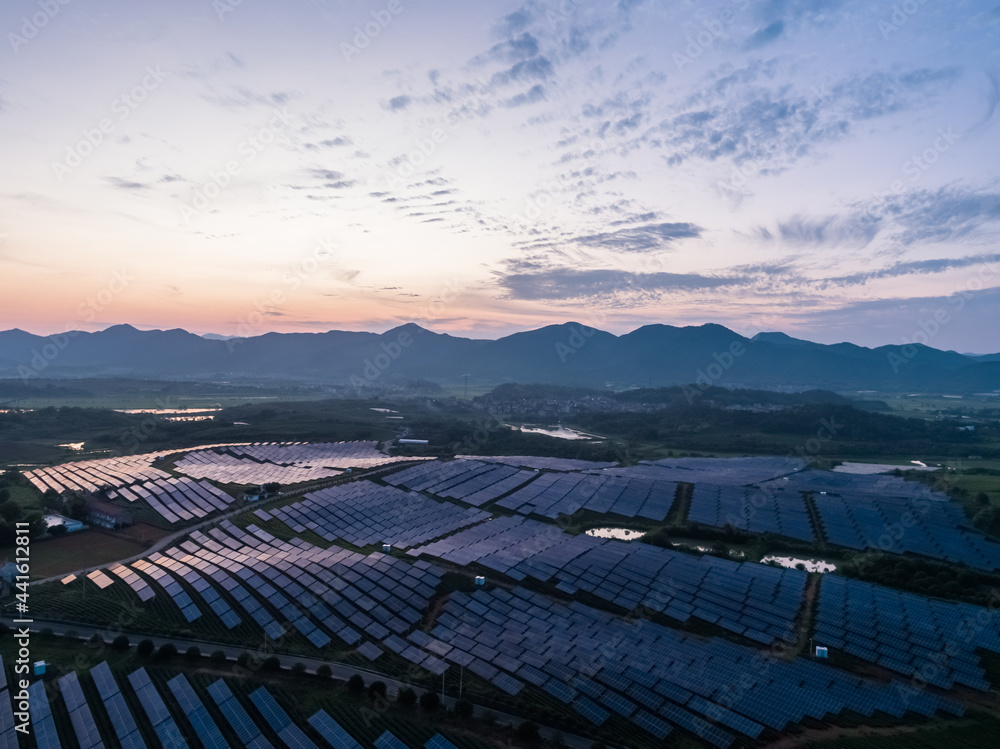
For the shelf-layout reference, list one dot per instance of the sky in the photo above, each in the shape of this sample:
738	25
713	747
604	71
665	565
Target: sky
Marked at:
825	168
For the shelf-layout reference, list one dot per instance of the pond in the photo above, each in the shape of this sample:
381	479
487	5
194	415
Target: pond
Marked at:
811	565
560	432
621	534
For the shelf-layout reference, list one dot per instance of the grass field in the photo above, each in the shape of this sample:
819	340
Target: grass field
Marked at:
78	550
27	497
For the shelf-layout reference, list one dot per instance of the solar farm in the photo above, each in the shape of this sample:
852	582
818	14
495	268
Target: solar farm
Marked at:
464	570
136	709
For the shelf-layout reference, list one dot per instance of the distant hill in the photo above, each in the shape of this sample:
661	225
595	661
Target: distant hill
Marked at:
569	354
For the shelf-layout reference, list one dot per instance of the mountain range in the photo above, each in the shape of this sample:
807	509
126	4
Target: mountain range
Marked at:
569	353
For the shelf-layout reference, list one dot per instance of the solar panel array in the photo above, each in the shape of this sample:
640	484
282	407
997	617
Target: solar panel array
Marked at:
168	582
389	740
203	724
279	721
156	711
322	593
929	527
8	736
238	718
43	726
79	712
283	463
470	481
534	462
93	475
232	469
177	499
364	513
134	581
437	741
655	676
554	494
332	732
907	633
751	509
756	601
114	702
731	471
875	484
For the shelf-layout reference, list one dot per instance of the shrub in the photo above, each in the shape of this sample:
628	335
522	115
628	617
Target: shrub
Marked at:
356	684
377	689
324	671
193	653
429	701
145	648
120	643
406	697
243	659
463	708
271	663
218	657
167	651
96	639
528	731
298	668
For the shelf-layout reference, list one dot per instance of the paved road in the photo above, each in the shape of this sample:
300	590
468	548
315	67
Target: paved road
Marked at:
340	671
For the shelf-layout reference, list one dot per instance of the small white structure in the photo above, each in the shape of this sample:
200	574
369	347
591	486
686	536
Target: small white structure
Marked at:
51	521
480	580
386	548
39	668
822	652
412	442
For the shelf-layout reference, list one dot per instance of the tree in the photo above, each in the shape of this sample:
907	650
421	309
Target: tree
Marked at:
218	657
9	511
982	498
167	651
430	701
243	659
463	708
145	648
324	671
96	639
298	668
193	653
528	731
271	663
377	689
120	643
57	530
406	697
356	684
